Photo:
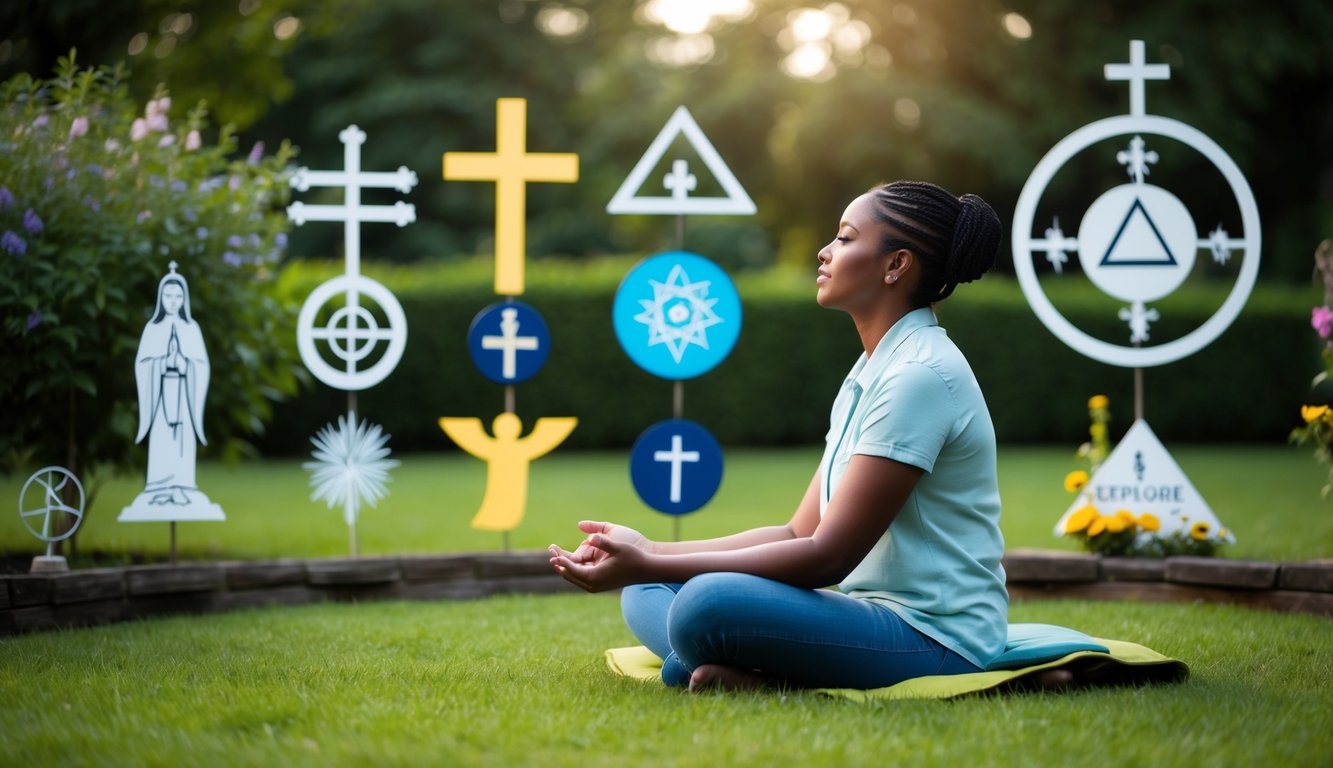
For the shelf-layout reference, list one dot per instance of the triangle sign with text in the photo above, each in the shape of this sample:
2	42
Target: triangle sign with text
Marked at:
679	182
1141	476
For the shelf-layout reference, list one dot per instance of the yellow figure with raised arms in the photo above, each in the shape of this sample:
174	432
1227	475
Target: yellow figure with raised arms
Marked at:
507	457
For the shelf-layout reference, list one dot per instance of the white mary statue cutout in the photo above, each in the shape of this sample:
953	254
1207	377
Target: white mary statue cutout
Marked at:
171	370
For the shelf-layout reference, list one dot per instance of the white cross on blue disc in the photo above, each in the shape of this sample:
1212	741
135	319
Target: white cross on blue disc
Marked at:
676	466
677	315
509	342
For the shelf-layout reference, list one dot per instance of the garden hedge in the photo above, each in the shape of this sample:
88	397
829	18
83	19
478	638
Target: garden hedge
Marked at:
776	386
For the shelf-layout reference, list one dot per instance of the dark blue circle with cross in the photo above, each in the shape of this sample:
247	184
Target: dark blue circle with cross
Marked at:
509	342
676	466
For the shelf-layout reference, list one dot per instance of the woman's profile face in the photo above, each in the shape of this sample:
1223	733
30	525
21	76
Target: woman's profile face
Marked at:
172	298
852	266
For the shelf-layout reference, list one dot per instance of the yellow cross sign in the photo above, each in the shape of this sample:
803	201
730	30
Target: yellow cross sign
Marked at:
511	167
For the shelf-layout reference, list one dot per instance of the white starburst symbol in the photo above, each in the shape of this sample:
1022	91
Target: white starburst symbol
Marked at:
350	466
679	313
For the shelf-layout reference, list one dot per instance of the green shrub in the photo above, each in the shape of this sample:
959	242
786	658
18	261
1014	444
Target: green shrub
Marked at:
776	386
97	196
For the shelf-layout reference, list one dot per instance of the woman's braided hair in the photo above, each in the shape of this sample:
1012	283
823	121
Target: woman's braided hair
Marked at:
955	239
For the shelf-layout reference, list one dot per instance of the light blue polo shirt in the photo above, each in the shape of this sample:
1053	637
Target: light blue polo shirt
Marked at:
916	401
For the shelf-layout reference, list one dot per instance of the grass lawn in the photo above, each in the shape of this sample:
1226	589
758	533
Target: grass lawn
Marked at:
520	681
1268	495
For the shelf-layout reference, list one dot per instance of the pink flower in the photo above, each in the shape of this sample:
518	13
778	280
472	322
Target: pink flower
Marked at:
166	141
192	141
1322	320
139	129
155	114
78	128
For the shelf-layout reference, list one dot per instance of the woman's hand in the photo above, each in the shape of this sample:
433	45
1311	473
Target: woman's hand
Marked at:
586	553
606	564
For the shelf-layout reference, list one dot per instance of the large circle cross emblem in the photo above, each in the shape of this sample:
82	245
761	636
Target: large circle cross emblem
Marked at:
1123	282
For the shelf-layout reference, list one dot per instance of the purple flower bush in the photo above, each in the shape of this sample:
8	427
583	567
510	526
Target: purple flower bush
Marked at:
98	194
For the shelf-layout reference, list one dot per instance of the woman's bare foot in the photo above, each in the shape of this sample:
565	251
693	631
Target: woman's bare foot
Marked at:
726	678
1054	679
1049	680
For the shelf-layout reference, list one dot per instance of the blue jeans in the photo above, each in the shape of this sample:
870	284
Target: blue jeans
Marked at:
798	637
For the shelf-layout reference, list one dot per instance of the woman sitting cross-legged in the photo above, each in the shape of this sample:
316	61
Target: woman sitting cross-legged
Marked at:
902	513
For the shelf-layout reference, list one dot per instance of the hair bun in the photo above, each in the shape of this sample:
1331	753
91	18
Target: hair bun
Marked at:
976	241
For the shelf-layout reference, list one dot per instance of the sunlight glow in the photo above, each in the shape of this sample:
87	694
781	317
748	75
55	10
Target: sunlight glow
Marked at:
851	37
561	21
907	112
681	51
1016	25
176	23
819	39
810	61
810	24
691	17
286	27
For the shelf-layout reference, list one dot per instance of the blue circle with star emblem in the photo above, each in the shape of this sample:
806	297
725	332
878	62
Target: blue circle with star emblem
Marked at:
677	315
509	342
676	466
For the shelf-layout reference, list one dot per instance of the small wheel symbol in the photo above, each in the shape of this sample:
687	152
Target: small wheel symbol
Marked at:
351	333
40	501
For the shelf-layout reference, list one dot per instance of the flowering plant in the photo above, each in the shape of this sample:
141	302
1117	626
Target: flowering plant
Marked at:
97	195
1124	533
1318	420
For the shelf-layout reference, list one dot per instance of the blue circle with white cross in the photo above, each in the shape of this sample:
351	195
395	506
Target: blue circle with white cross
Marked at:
509	342
676	466
677	315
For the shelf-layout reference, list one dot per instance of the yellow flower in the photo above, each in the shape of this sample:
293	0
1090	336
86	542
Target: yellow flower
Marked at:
1098	401
1097	525
1115	523
1199	531
1080	519
1074	481
1149	522
1313	412
1097	430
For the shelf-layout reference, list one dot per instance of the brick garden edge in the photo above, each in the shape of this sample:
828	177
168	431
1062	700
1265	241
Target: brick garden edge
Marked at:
96	596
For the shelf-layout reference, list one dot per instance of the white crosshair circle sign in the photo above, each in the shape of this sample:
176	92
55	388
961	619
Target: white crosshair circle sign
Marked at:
351	333
47	484
1025	211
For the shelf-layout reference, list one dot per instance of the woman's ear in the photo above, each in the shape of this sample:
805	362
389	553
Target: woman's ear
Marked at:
899	262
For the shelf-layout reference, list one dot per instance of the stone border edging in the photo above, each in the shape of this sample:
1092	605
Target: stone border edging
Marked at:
1305	586
93	596
35	602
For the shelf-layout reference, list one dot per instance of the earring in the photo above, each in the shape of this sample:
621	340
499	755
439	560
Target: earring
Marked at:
890	278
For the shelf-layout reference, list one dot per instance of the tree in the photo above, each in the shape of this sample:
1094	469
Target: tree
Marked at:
808	101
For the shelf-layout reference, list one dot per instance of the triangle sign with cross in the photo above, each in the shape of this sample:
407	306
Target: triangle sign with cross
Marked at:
680	182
